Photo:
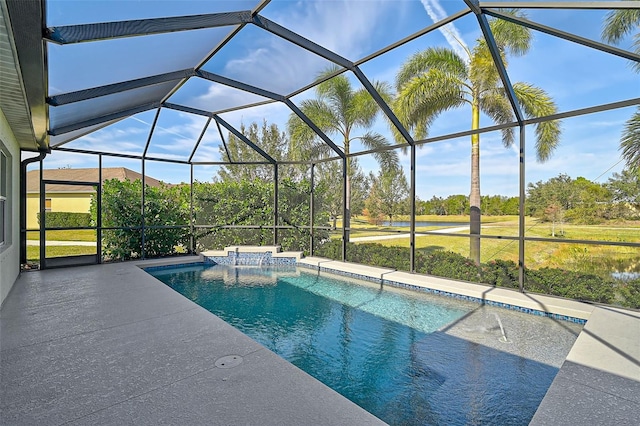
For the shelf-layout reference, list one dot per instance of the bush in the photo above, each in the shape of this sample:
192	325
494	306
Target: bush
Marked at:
502	273
630	292
250	202
66	220
574	285
331	249
449	265
164	206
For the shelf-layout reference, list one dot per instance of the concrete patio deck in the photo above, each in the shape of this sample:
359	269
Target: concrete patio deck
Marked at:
110	344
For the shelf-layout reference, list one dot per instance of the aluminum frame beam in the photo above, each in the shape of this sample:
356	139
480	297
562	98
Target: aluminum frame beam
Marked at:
243	138
224	144
116	155
225	125
216	78
497	60
559	5
269	95
382	104
70	34
110	89
197	144
109	117
298	40
150	136
565	35
315	128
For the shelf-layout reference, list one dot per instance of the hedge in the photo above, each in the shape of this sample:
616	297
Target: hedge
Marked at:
502	273
67	220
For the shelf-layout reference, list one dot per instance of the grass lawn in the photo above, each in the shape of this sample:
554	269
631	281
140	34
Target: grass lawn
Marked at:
70	235
538	254
33	252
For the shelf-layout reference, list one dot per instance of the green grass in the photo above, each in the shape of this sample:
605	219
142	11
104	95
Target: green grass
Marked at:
33	252
538	254
67	235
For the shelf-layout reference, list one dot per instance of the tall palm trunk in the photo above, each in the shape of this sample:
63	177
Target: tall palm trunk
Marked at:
346	221
474	196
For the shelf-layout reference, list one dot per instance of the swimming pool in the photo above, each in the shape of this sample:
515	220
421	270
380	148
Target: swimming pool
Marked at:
406	357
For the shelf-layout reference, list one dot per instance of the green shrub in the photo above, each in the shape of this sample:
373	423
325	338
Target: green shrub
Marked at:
331	249
630	292
67	220
164	206
449	265
502	273
250	203
574	285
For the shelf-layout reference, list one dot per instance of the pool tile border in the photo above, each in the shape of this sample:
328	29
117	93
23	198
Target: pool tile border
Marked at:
252	259
478	300
172	266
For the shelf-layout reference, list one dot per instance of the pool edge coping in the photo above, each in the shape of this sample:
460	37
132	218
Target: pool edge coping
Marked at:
608	341
606	336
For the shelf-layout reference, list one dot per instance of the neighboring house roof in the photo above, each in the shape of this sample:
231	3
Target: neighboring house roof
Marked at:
82	175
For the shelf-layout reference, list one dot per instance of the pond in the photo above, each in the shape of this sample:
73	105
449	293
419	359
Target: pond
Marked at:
424	223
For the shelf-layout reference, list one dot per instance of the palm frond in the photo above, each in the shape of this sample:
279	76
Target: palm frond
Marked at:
321	114
364	108
425	97
445	60
511	38
483	72
536	103
387	159
496	105
630	142
619	23
303	139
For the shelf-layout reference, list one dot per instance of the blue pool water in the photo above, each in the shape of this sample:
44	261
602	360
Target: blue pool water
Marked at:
388	351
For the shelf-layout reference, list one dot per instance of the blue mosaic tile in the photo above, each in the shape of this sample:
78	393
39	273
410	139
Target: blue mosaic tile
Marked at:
450	294
252	259
172	266
255	259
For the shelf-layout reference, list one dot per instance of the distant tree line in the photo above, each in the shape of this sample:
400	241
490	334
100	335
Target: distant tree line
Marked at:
493	205
581	201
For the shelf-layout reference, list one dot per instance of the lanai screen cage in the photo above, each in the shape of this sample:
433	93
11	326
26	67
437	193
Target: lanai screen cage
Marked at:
326	125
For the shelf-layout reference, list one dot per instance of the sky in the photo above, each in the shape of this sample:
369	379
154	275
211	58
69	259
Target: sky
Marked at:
575	76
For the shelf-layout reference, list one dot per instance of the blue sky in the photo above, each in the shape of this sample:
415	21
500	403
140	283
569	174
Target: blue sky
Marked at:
575	76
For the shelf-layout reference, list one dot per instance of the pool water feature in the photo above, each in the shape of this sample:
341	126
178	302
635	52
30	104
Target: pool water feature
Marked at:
406	357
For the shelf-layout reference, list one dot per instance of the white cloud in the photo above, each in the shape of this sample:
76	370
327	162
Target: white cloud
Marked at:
449	31
344	27
219	97
347	28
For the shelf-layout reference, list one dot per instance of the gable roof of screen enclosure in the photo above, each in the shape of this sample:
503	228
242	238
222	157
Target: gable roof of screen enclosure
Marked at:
58	117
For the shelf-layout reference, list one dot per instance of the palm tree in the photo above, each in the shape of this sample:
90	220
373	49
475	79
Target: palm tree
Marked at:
618	24
339	110
438	79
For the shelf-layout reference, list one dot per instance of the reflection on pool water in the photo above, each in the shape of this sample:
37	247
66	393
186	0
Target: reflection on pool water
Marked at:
407	357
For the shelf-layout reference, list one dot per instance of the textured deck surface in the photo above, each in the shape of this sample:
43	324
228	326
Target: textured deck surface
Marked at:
109	344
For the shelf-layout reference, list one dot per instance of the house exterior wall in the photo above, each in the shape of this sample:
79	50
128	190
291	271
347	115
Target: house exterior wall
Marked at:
10	250
60	202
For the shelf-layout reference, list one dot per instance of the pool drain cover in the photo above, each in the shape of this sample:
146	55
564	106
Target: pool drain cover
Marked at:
228	361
